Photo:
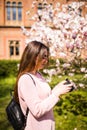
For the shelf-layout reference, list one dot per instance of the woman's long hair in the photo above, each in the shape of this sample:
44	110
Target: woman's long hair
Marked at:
28	60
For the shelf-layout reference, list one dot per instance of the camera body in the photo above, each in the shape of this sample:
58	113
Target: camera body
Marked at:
68	82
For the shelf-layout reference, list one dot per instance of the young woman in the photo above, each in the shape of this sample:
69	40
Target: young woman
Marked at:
33	90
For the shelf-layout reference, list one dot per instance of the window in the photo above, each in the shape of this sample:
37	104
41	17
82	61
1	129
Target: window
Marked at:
17	47
44	5
80	12
8	9
40	6
19	11
42	10
13	11
14	48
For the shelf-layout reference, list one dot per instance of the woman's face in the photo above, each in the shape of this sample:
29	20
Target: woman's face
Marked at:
43	61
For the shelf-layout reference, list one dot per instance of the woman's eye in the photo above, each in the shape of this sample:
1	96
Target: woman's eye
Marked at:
45	57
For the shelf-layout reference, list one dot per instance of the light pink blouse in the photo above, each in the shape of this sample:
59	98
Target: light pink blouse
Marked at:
40	101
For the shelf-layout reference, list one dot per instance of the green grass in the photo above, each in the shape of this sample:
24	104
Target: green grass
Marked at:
6	84
70	112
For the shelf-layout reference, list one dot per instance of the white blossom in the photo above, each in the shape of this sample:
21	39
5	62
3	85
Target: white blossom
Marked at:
81	85
71	74
63	29
83	69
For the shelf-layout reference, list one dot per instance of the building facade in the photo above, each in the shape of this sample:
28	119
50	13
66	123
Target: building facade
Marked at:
12	17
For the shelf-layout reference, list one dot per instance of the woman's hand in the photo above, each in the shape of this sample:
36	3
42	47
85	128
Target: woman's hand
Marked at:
62	88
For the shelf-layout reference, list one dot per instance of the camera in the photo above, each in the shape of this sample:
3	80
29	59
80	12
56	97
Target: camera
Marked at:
72	87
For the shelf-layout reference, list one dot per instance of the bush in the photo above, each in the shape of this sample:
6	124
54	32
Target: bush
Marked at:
8	68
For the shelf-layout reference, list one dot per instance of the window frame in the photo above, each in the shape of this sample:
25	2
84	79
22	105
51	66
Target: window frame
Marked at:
14	48
14	11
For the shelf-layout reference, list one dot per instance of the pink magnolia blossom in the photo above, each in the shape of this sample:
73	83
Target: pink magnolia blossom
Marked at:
62	29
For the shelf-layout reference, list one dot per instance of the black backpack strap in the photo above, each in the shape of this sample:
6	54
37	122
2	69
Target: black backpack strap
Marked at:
26	113
31	78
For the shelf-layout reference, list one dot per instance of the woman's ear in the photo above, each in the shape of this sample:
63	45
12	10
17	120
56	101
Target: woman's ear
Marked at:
36	62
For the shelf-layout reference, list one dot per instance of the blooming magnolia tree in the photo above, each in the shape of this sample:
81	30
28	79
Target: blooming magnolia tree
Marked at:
62	28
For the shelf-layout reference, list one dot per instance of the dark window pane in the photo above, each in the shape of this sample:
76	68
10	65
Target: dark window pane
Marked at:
14	4
20	4
17	43
40	6
11	42
11	50
17	50
14	13
8	11
19	13
14	10
8	3
44	5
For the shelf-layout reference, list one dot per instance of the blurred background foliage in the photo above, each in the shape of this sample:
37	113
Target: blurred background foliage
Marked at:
70	112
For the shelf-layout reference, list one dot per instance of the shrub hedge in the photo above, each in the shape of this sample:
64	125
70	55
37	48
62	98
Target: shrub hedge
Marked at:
8	68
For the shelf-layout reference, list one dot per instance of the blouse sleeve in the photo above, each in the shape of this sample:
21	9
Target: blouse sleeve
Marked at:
37	106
